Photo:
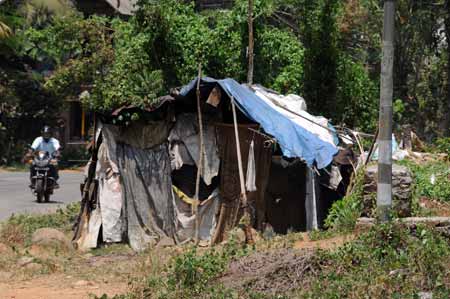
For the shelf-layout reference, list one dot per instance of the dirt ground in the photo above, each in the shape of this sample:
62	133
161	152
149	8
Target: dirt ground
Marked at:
59	287
273	271
437	208
68	275
83	275
330	243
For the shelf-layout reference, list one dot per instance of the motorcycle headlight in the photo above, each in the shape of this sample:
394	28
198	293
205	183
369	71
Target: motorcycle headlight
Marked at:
41	155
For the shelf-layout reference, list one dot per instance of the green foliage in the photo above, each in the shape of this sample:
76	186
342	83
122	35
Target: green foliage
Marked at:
431	180
131	79
344	213
193	272
443	146
80	49
279	60
390	261
357	96
320	34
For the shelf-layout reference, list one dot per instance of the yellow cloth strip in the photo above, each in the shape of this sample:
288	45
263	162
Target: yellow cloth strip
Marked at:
181	195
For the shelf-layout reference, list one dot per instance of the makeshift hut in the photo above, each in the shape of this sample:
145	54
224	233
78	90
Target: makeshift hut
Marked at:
141	183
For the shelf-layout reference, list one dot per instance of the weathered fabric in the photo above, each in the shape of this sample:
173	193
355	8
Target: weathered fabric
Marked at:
149	211
109	193
185	131
230	209
311	200
207	211
139	135
250	178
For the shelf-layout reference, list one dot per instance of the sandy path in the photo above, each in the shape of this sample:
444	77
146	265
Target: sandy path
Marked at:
57	287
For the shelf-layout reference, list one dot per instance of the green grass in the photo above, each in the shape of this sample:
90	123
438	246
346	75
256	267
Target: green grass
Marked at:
431	180
19	228
390	261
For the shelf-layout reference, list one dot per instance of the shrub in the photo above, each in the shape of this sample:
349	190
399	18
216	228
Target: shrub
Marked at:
443	146
432	179
390	261
344	213
19	228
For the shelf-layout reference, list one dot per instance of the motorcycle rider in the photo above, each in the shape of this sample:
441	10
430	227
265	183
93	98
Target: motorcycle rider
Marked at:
50	145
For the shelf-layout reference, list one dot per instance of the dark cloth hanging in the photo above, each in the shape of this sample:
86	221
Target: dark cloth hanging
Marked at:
230	209
149	211
285	196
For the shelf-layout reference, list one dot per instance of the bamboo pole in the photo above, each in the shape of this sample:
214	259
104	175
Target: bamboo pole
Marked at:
243	195
200	159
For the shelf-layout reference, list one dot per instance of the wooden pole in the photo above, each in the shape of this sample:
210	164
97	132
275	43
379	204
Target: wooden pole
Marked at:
243	196
251	43
200	159
384	190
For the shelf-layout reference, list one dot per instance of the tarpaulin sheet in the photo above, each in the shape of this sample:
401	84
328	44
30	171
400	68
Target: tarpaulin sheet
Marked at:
150	213
295	140
109	192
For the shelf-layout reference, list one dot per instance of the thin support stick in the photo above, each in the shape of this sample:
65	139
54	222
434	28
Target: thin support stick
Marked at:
243	197
200	160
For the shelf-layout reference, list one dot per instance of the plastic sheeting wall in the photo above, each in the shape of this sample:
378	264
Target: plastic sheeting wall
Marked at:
147	192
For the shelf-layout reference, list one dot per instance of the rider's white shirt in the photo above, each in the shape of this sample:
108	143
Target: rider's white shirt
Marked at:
51	146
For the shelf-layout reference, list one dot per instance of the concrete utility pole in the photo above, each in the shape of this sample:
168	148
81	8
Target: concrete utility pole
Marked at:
384	191
251	43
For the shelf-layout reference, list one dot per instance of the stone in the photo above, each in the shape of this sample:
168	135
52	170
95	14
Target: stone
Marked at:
6	250
425	295
401	190
35	267
51	237
165	242
38	251
83	283
5	276
25	260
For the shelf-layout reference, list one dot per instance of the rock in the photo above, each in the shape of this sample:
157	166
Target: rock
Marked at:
35	267
401	190
83	283
23	261
50	237
425	295
6	250
165	242
5	276
38	252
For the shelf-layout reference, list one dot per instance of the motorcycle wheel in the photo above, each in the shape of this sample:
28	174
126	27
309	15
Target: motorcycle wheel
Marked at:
39	197
39	190
47	197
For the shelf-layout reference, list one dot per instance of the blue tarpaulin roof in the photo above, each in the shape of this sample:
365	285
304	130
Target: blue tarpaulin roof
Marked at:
295	140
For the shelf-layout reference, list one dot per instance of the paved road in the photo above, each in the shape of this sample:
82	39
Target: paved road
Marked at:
16	197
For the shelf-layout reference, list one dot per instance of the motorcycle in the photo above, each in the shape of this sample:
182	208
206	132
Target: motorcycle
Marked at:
42	181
